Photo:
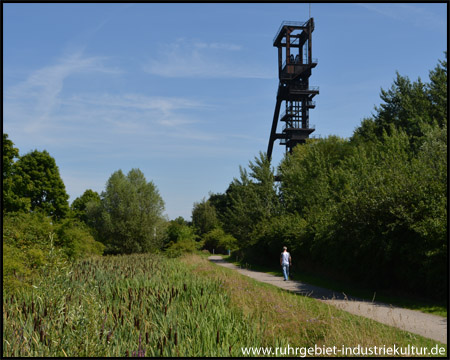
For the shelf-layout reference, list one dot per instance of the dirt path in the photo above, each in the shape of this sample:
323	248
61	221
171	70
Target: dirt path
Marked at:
427	325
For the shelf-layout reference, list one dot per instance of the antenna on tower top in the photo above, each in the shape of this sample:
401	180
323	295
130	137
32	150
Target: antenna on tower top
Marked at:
309	10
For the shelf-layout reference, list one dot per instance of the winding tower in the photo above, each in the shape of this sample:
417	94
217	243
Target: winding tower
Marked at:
295	62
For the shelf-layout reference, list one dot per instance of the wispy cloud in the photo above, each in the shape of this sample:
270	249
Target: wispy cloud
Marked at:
40	108
106	126
215	45
40	92
138	101
124	111
190	58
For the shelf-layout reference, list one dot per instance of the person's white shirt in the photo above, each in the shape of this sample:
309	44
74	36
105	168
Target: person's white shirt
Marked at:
285	258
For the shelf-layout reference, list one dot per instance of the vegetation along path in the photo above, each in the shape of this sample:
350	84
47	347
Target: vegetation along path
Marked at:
427	325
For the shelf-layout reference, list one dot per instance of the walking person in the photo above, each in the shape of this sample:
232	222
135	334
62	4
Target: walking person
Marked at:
285	262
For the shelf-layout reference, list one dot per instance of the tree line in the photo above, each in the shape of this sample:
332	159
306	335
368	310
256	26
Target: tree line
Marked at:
41	230
371	208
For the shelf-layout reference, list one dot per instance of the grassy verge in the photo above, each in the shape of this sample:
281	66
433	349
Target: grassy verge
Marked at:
300	320
351	289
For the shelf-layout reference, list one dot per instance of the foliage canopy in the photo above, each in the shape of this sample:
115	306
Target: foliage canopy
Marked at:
371	209
129	217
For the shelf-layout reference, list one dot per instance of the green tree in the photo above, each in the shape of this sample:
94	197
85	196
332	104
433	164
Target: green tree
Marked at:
305	174
79	205
179	229
366	131
220	202
409	106
10	200
405	105
272	234
386	224
252	198
429	211
180	238
8	155
38	179
204	217
129	217
437	92
219	241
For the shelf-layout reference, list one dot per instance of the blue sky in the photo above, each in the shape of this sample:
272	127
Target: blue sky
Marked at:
186	92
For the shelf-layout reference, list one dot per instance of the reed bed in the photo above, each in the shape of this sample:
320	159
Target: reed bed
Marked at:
148	305
134	305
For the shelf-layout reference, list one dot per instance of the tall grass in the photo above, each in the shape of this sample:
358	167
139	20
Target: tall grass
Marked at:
299	320
148	305
135	305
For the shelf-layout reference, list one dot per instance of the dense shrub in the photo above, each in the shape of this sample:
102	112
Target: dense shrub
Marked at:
218	241
32	244
180	238
27	229
76	240
182	246
15	269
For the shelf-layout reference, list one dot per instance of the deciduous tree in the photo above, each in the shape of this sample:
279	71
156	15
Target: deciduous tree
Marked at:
10	200
204	217
129	217
79	205
38	179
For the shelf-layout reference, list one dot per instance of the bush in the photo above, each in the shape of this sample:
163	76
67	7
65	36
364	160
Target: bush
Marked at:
179	230
271	235
27	229
35	257
219	241
29	241
182	246
15	272
76	240
23	266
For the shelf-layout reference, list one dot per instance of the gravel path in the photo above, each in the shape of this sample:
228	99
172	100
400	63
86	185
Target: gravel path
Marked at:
427	325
